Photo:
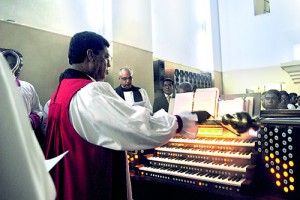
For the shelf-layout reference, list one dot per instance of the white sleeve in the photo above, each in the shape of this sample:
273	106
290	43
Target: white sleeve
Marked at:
103	118
146	99
31	98
36	108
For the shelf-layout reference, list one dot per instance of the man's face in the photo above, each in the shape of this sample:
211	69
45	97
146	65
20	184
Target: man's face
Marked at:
271	101
168	87
293	100
12	62
101	64
180	90
284	101
125	79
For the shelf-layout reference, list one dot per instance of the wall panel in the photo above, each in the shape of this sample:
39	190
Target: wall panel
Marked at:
45	55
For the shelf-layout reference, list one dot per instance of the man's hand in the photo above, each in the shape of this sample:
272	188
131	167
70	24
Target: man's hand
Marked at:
189	125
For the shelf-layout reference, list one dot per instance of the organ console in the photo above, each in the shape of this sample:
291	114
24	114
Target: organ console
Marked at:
254	165
216	161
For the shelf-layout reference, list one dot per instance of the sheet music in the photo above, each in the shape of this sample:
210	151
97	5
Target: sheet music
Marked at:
207	99
183	102
53	161
171	106
231	106
249	105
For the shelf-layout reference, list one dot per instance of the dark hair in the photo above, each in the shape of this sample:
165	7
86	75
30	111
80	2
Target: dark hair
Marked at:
8	52
293	94
186	86
273	91
168	79
283	92
13	53
83	41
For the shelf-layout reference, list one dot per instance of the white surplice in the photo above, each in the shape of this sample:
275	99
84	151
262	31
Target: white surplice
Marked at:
128	95
31	99
103	118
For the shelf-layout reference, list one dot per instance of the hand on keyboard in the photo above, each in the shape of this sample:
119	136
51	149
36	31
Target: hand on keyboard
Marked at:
241	121
190	128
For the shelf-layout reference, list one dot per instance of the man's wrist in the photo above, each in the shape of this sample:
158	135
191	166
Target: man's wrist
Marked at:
180	123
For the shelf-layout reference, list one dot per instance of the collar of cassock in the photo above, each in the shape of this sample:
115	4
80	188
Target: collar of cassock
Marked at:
127	89
73	73
132	88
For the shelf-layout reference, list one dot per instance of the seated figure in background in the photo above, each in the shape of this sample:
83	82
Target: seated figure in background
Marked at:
162	100
271	99
185	87
293	101
284	100
27	91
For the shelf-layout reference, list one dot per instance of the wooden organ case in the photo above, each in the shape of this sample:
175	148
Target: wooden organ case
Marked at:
216	161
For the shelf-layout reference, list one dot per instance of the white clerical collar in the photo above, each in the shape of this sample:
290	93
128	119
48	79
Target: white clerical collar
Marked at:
166	95
91	78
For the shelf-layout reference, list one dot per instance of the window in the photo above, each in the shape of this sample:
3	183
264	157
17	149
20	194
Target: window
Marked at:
261	7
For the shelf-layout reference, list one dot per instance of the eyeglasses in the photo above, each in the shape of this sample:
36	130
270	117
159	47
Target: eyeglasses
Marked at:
127	78
108	59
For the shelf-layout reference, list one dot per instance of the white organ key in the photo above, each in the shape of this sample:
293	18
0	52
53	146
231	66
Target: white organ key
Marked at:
214	141
206	153
205	177
199	164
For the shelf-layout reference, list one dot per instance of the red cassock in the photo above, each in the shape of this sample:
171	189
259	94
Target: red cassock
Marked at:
88	171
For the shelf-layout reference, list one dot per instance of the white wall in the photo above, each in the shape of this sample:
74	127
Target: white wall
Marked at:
179	30
131	23
182	32
61	16
250	41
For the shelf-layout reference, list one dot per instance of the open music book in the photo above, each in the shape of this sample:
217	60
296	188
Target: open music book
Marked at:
208	100
201	100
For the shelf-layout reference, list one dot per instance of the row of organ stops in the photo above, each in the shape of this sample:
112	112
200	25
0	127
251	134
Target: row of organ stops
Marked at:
278	148
198	80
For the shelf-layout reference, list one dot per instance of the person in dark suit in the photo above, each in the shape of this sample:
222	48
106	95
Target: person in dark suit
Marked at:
162	101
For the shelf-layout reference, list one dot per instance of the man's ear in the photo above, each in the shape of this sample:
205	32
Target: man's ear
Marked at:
90	55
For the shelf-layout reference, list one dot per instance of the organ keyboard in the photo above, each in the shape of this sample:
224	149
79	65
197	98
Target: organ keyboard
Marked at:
215	161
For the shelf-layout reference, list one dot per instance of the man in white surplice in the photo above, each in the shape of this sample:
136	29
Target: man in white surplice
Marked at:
84	105
130	93
23	173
